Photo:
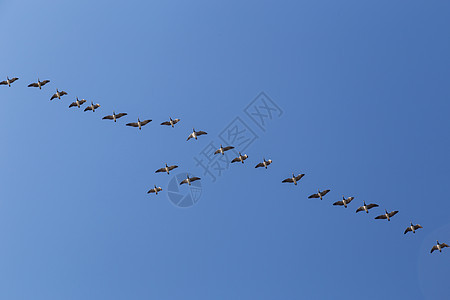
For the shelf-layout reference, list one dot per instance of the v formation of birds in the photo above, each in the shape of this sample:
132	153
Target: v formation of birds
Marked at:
241	158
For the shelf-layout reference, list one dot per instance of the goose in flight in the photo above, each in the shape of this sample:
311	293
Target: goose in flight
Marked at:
438	247
139	123
77	103
366	207
92	107
189	180
166	169
114	116
387	215
294	178
39	84
195	134
412	228
8	81
319	194
171	122
240	158
155	190
344	201
58	94
222	150
264	164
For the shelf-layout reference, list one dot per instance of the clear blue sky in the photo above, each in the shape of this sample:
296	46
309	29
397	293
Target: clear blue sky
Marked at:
363	86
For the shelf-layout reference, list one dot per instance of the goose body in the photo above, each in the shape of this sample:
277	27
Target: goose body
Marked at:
195	134
412	228
114	116
294	178
39	83
8	81
166	169
438	247
92	107
171	122
264	164
240	158
319	194
387	215
155	190
366	207
188	180
222	150
58	94
344	201
139	123
77	103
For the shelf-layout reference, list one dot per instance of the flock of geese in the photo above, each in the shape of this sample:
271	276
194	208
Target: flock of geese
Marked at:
241	158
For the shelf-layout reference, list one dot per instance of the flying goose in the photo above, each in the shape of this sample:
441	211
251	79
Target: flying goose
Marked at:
92	107
264	164
189	180
77	103
387	215
412	228
294	178
155	190
39	84
8	81
240	158
438	247
222	150
366	207
166	169
319	194
58	94
114	116
171	122
139	123
344	201
195	134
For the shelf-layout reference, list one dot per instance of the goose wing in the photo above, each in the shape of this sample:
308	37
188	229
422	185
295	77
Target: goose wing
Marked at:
314	196
408	229
166	123
433	248
288	180
44	82
444	245
259	165
132	124
371	205
339	203
13	79
108	117
73	104
88	108
417	226
184	181
190	136
217	151
361	208
3	82
298	177
235	160
173	167
62	93
120	115
228	148
393	213
160	170
34	84
176	121
82	101
96	106
324	192
54	96
159	189
381	217
145	122
194	179
151	191
201	133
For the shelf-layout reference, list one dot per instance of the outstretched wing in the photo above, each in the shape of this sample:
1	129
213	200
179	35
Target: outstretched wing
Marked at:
381	217
166	123
371	205
108	118
151	191
72	104
172	167
132	124
13	79
314	196
184	181
299	177
62	93
444	245
120	115
34	84
201	133
82	101
88	108
361	208
417	226
96	106
160	170
259	165
407	230
176	121
44	82
288	180
325	192
434	248
228	148
145	122
3	82
217	151
54	96
393	213
235	160
194	179
339	203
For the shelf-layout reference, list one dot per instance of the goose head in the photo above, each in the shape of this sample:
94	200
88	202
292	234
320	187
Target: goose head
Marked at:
166	165
114	112
364	203
386	211
170	119
139	120
193	129
293	175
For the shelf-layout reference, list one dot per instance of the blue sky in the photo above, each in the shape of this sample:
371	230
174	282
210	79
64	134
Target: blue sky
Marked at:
363	86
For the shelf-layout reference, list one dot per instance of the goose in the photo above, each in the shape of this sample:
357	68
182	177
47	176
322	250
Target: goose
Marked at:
92	107
412	228
8	81
223	149
58	94
387	215
344	201
77	103
366	207
39	84
189	180
264	164
240	158
319	194
171	122
166	169
139	123
155	190
195	134
114	116
294	178
438	247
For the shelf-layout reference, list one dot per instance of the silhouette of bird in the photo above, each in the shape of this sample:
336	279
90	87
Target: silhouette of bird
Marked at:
92	107
412	228
77	103
222	150
188	180
8	81
39	84
264	164
195	134
387	215
155	190
139	123
114	116
58	94
171	122
366	207
240	158
294	178
319	194
166	169
344	201
438	247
